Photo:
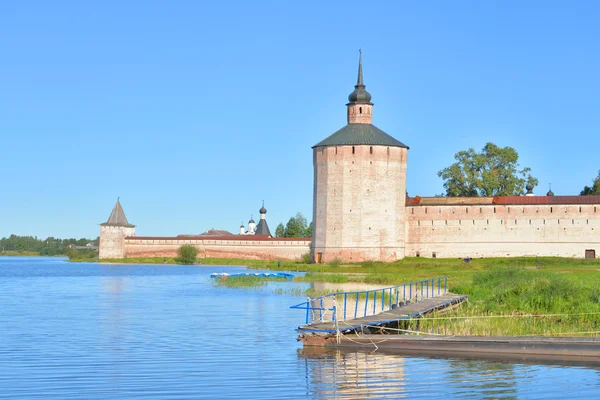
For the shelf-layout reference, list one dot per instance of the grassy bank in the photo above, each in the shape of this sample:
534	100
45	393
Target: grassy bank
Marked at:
19	253
517	301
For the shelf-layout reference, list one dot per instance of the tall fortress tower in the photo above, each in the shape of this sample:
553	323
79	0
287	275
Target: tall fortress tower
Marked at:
359	193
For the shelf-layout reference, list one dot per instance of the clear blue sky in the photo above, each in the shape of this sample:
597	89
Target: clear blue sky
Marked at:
194	112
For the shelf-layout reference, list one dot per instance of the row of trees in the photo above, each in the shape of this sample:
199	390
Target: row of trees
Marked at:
50	246
296	227
494	171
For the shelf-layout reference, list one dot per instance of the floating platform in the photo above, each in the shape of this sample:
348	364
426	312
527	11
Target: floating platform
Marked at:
224	275
402	312
487	347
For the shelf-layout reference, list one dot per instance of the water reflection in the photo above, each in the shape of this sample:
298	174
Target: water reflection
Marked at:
353	375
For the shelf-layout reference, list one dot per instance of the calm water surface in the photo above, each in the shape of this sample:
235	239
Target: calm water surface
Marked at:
90	331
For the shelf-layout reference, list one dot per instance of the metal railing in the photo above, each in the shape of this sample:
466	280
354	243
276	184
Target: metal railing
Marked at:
350	305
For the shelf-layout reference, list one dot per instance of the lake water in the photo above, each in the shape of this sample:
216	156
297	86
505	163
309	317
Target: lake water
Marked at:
91	331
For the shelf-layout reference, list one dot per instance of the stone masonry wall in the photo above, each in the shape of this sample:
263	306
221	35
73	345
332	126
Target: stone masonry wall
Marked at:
112	241
359	203
245	249
503	230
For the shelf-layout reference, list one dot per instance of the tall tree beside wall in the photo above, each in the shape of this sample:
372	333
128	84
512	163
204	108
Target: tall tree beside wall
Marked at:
594	189
296	227
494	171
280	230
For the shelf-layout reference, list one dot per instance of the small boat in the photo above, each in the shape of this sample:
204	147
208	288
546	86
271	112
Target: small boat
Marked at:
224	275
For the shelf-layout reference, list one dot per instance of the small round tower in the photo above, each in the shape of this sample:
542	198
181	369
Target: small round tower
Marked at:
359	193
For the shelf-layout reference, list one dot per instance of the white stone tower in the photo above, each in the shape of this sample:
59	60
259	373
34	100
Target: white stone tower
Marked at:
113	233
359	189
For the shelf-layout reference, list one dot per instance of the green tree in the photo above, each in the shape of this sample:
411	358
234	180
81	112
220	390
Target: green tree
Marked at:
494	171
594	189
280	230
186	254
309	229
296	227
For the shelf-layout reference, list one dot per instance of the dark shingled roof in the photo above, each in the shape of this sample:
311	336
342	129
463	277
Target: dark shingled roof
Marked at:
359	134
117	217
262	228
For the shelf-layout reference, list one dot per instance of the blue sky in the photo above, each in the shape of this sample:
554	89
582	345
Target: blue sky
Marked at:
194	112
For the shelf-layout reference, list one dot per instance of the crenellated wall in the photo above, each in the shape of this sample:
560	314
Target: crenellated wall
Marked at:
502	230
359	203
244	248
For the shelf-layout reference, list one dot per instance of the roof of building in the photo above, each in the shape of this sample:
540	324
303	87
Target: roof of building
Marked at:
233	237
360	134
360	94
117	217
502	200
262	228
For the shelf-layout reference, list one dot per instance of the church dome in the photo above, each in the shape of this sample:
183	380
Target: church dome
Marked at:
360	95
529	187
262	210
251	221
550	193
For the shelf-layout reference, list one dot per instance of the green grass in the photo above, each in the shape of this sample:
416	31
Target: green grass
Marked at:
508	301
19	253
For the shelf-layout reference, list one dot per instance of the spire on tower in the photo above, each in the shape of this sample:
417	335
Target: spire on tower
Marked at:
360	95
359	81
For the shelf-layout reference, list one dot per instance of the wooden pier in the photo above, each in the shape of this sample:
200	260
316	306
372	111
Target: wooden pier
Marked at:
401	312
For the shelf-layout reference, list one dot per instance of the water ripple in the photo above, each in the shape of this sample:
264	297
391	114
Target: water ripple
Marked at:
89	331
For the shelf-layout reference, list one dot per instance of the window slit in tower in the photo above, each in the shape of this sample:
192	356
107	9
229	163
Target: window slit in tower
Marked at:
336	150
360	110
388	151
352	149
371	150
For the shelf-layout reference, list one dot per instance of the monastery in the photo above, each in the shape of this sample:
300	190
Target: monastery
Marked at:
361	211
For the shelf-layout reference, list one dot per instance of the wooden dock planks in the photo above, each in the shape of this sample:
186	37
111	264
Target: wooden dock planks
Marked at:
412	310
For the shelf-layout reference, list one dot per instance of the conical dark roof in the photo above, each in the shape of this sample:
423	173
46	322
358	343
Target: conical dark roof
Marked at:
262	228
117	217
359	134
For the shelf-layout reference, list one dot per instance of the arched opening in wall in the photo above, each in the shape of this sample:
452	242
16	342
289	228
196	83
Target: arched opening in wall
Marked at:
353	150
371	150
551	209
434	254
418	254
494	210
579	209
360	110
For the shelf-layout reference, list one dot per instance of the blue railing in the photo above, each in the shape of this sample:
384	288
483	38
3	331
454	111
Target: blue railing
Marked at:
350	305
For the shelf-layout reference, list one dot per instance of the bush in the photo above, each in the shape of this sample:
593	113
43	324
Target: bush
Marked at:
335	263
186	254
305	258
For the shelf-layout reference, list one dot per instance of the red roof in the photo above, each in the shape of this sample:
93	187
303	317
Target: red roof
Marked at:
228	237
501	200
534	200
